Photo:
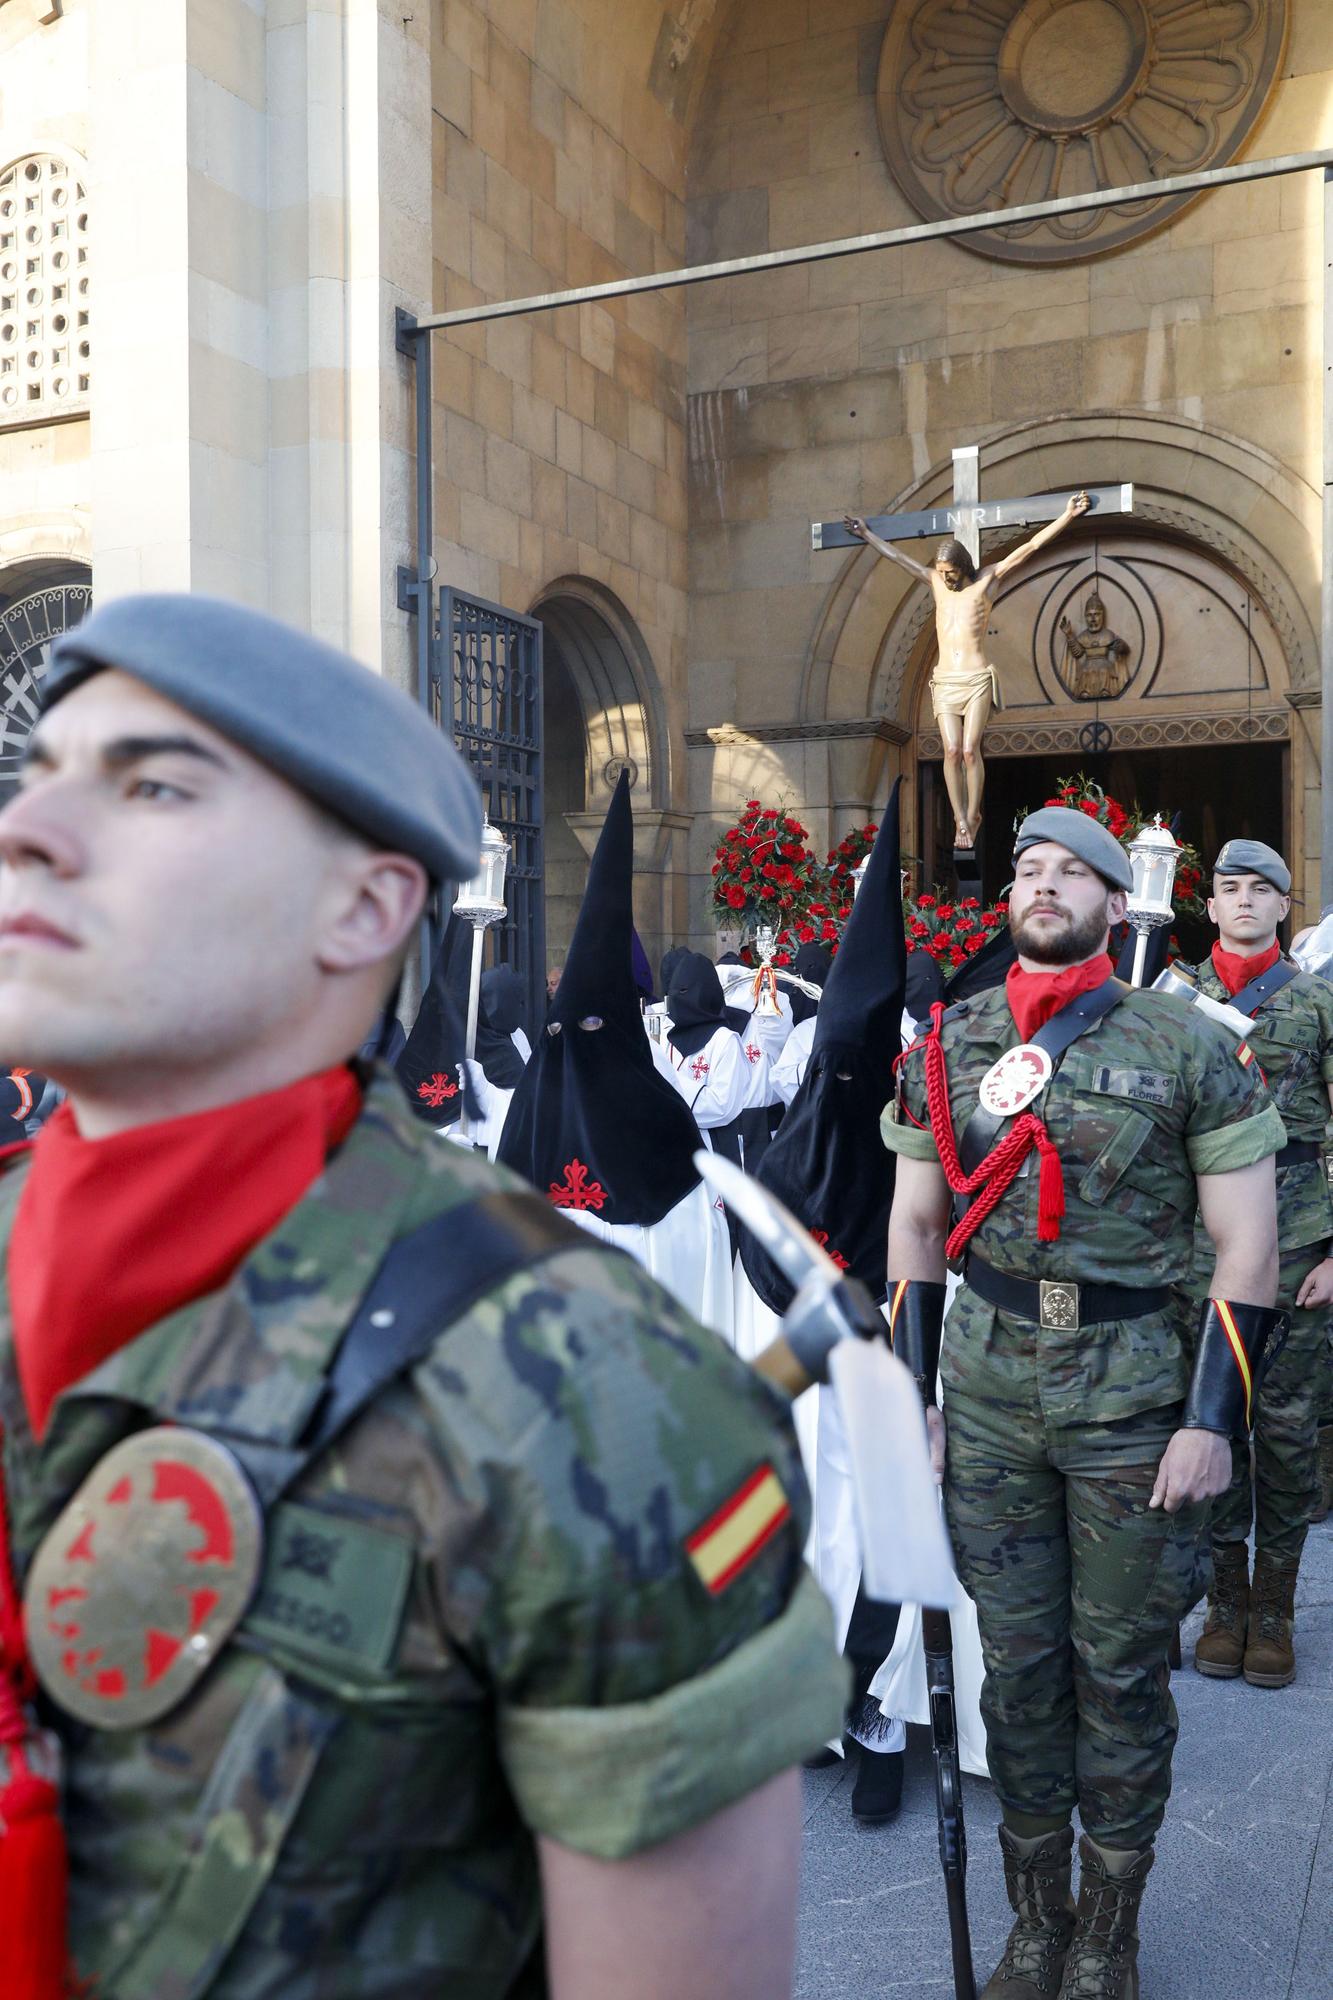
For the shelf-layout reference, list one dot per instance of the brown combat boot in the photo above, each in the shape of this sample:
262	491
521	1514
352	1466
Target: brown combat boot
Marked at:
1325	1503
1219	1650
1036	1877
1103	1961
1270	1655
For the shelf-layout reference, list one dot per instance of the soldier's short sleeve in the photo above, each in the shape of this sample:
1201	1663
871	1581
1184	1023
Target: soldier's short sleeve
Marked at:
635	1593
1323	1002
904	1126
1232	1120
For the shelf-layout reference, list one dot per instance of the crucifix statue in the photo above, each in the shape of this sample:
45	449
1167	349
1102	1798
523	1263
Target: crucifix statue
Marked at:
964	687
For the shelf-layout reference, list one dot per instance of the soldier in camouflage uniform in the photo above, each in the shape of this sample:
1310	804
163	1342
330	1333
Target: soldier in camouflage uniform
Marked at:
473	1730
1081	1454
1292	1039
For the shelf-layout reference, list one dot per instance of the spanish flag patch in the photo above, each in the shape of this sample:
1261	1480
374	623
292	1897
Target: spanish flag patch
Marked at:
733	1537
1244	1055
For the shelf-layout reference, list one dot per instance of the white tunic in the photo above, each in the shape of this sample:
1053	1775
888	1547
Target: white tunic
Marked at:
493	1101
718	1081
789	1071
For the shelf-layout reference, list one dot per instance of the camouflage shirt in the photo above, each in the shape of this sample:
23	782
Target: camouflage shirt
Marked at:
1145	1100
486	1612
1292	1039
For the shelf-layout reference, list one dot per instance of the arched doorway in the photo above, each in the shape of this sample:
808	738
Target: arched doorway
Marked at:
602	714
39	600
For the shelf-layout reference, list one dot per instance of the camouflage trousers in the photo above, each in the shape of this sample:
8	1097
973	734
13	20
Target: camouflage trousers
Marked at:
1278	1491
1078	1588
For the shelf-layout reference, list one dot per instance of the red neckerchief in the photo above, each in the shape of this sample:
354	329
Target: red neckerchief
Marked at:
1034	996
113	1234
1235	971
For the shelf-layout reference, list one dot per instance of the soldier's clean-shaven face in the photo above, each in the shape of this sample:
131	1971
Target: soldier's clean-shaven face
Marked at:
165	898
1060	910
1247	911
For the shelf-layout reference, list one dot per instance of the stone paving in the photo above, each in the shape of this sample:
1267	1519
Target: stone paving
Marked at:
1240	1902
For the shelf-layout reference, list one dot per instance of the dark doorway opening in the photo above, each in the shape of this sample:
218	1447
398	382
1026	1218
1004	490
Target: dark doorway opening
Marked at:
1221	791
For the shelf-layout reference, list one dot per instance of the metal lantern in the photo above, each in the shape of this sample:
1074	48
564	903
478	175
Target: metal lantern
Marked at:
1153	856
482	900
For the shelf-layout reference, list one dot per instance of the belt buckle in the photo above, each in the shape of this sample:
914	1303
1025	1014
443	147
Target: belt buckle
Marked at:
1058	1309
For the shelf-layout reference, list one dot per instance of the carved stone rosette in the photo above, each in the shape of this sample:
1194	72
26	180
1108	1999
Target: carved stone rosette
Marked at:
987	104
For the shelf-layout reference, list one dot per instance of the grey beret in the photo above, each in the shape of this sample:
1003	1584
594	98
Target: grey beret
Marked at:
1082	835
1252	857
329	726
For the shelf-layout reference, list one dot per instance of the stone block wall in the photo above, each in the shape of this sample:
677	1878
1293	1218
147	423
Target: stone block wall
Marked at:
843	385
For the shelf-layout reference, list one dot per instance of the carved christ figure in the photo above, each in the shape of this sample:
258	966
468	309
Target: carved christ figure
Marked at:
964	686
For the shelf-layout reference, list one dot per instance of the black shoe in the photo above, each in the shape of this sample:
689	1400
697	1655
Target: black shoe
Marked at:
823	1760
878	1791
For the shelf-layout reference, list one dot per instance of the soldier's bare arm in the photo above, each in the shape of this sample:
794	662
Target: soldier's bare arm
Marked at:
1077	504
1239	1211
1317	1286
918	1226
712	1911
918	1220
856	526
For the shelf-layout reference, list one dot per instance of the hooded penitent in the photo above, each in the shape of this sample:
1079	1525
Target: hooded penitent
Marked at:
828	1162
499	1013
428	1065
696	1004
813	964
593	1124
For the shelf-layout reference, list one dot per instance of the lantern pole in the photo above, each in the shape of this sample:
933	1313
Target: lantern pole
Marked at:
482	902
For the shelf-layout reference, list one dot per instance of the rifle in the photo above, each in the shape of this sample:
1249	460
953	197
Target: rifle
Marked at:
937	1637
828	1308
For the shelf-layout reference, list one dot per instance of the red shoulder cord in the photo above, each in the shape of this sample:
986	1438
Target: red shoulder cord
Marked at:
33	1866
991	1180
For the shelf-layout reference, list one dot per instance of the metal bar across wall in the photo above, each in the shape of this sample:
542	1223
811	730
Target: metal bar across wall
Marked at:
412	338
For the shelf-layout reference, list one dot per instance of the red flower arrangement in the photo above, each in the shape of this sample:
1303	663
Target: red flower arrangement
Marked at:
763	873
1126	823
950	932
846	858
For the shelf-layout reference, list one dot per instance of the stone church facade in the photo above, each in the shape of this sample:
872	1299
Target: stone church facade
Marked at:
209	210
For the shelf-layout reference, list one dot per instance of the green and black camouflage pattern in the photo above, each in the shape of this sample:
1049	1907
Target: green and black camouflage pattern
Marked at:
1292	1039
478	1621
1055	1435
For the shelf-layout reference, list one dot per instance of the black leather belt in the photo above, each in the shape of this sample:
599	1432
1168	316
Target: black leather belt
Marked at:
1058	1304
1299	1151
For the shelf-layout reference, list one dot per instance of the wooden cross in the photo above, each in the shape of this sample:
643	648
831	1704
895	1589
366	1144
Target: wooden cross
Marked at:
969	514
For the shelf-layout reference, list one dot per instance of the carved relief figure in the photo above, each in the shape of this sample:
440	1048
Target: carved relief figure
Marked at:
1096	661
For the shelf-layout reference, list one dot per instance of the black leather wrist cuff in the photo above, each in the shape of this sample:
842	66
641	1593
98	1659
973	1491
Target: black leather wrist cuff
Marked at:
1234	1346
916	1329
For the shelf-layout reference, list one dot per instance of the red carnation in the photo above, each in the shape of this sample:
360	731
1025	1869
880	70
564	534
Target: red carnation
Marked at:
717	867
736	897
805	933
945	911
918	929
752	805
747	875
969	903
828	931
925	902
975	943
782	958
767	891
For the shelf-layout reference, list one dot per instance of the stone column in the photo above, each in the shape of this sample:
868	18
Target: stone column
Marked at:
262	202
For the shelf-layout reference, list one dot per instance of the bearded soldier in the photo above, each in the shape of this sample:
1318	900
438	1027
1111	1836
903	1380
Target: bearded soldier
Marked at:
396	1560
1292	1039
1079	1123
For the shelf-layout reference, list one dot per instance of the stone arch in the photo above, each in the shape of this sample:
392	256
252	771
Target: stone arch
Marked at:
871	642
593	642
603	712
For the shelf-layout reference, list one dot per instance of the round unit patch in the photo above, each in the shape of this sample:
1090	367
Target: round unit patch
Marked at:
1010	1085
149	1569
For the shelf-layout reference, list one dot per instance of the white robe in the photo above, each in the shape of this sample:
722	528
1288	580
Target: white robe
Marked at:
718	1081
494	1104
789	1070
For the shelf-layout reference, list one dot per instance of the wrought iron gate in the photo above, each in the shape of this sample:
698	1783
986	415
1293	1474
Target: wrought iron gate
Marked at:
29	627
490	662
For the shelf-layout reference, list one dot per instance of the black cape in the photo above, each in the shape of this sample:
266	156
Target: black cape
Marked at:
428	1064
828	1162
593	1123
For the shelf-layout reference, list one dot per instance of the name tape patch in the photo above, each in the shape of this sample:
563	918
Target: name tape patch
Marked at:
331	1587
1145	1086
733	1536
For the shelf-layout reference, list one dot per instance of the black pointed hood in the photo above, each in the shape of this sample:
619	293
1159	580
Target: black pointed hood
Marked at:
828	1162
593	1123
